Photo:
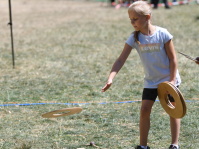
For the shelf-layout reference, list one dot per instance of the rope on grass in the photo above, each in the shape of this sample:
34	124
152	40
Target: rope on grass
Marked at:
78	103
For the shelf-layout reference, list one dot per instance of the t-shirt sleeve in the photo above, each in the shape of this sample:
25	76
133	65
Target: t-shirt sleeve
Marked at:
167	36
130	41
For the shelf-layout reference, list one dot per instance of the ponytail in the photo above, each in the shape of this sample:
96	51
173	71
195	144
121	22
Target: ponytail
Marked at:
136	33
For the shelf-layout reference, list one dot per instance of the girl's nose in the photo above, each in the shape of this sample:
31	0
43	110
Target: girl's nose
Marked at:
132	21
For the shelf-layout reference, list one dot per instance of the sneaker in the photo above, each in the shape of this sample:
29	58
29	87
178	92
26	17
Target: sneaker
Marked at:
139	147
173	147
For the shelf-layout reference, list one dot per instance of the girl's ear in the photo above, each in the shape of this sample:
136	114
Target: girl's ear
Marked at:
148	17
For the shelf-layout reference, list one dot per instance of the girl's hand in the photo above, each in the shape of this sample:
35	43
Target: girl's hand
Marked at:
197	62
172	82
107	86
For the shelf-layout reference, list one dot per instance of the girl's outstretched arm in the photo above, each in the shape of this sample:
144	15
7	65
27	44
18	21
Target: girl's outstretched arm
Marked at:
117	66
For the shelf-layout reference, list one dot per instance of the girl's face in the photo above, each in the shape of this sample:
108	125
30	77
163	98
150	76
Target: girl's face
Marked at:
139	22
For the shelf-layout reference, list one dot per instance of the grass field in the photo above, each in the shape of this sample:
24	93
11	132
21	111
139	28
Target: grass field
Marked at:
64	51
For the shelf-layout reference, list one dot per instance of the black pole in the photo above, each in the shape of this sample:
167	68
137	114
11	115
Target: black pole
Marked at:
11	34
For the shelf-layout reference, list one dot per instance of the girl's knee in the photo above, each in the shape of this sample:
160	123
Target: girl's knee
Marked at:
145	111
146	107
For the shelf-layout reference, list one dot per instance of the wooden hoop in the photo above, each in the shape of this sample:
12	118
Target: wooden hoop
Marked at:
179	109
62	112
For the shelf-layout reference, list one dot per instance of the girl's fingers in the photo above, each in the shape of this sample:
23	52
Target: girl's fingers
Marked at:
197	62
106	87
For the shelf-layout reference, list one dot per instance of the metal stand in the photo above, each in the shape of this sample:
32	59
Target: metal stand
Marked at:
11	34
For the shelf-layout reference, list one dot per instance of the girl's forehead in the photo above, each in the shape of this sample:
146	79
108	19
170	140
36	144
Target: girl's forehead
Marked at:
133	14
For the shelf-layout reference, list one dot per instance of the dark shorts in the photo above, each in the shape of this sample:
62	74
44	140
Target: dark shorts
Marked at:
152	93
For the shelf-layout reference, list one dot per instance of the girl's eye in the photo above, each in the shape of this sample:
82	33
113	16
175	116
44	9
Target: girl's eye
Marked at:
133	20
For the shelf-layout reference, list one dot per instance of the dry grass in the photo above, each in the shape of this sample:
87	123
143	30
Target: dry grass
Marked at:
64	52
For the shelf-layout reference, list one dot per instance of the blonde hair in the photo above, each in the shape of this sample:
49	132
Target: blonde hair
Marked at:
141	8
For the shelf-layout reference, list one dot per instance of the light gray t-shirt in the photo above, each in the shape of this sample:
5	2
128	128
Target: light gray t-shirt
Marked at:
153	56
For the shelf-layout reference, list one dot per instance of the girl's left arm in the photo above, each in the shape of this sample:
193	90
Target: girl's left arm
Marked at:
170	50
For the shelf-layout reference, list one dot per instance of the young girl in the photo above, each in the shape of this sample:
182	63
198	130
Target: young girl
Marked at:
156	50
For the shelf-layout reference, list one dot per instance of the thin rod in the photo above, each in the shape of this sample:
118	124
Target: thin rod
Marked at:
11	34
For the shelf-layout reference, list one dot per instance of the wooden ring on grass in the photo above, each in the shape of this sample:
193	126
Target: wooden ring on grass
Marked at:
176	109
62	112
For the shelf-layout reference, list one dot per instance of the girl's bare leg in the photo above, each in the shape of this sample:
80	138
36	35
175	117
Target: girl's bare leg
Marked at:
175	130
145	120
